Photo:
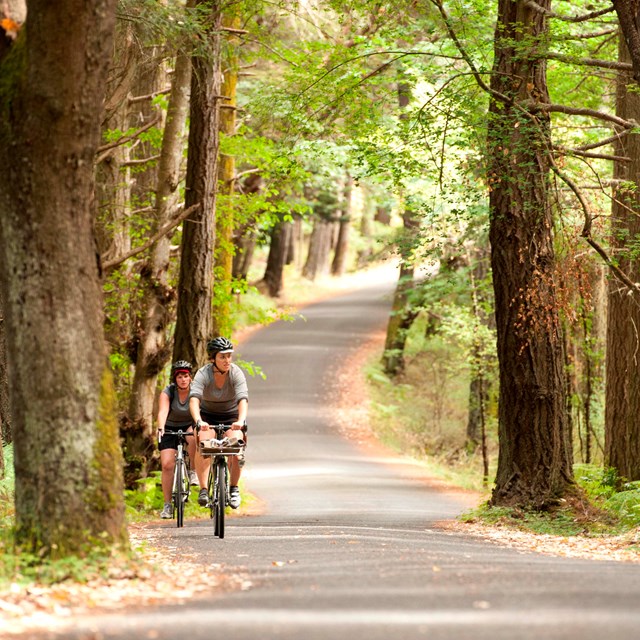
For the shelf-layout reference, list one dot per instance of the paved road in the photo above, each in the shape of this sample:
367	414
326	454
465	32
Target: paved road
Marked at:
349	547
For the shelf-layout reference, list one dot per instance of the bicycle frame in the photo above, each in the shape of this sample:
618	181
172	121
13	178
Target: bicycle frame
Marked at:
218	480
180	487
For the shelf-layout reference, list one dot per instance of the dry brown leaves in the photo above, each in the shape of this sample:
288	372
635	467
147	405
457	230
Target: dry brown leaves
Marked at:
624	548
163	573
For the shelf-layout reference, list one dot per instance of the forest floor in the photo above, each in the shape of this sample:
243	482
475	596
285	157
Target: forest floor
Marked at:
162	573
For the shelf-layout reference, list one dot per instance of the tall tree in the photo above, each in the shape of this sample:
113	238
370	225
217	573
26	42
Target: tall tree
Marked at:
281	237
195	286
339	264
227	177
622	427
535	456
158	303
629	16
69	483
5	414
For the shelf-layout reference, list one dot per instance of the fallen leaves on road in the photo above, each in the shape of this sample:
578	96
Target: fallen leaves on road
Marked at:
163	574
623	548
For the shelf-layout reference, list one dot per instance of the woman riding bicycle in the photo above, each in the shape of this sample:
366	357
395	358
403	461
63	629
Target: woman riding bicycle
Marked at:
174	415
219	395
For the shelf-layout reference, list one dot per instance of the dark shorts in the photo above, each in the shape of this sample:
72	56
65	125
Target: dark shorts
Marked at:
218	418
170	441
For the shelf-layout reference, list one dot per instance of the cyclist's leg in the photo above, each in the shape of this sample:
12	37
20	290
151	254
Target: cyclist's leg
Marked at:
168	447
191	451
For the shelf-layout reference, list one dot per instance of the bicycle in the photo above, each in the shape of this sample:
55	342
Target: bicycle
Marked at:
181	488
218	449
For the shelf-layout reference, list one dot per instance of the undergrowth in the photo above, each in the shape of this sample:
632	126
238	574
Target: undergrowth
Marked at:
602	504
407	416
142	504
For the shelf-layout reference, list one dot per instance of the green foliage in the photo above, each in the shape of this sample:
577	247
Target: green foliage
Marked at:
612	493
21	567
603	505
255	309
7	483
170	24
251	368
559	522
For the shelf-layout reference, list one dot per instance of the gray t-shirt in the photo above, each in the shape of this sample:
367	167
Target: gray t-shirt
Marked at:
219	401
179	415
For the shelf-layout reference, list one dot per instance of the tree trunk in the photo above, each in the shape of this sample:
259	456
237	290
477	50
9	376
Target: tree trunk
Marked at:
341	254
622	426
317	263
222	323
479	387
628	14
278	250
154	347
68	463
5	413
195	288
535	458
401	317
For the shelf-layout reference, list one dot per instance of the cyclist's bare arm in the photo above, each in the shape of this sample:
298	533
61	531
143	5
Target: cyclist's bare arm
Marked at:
163	411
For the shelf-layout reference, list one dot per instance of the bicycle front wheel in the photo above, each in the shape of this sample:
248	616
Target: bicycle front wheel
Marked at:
220	499
179	493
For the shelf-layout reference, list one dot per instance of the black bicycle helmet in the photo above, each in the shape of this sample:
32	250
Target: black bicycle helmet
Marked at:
181	366
219	345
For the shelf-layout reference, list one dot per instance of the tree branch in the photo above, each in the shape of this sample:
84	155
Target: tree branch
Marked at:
579	111
633	287
558	16
168	226
587	62
133	163
105	149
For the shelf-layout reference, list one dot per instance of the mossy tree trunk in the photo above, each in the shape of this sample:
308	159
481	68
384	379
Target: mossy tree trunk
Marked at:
402	316
535	457
68	462
225	219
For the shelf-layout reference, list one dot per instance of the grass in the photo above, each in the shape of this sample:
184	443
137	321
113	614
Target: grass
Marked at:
411	418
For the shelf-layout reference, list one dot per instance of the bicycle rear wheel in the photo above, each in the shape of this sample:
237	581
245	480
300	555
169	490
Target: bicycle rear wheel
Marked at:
220	499
180	492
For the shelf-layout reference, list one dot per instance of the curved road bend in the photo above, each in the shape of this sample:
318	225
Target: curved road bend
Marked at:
348	548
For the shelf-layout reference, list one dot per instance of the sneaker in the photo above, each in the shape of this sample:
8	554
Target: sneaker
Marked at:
167	512
234	497
203	498
193	479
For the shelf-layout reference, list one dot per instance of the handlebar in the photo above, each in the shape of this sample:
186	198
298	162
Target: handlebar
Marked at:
221	428
180	433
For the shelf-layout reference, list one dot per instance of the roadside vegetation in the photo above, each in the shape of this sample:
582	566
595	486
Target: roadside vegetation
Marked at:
424	416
